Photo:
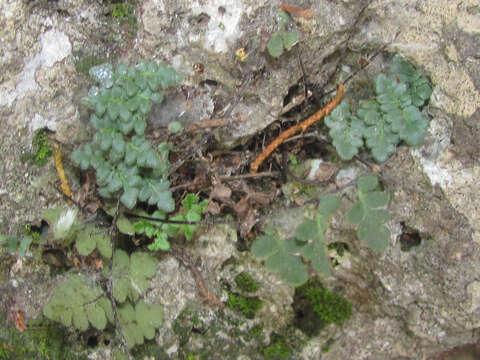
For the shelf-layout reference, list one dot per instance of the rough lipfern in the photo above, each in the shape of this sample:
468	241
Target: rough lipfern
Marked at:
127	165
392	116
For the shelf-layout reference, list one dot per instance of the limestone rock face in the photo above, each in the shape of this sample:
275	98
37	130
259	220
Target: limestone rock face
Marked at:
406	304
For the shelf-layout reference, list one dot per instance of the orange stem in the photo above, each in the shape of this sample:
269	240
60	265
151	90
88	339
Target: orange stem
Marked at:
294	129
305	13
61	172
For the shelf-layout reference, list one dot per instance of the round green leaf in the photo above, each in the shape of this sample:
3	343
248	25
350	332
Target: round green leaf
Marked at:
367	183
328	205
356	213
85	242
125	226
106	305
275	45
104	246
264	246
290	38
149	317
290	268
307	230
96	316
143	264
121	288
129	197
174	127
375	199
376	235
80	320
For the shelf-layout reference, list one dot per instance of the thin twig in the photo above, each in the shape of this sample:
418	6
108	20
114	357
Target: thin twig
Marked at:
178	222
294	129
351	33
212	123
182	257
364	65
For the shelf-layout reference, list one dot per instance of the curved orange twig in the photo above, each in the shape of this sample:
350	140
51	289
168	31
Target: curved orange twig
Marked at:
294	129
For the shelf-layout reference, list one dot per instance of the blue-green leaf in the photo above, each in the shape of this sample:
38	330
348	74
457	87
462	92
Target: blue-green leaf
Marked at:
356	214
141	81
140	125
129	197
125	114
367	183
144	106
168	76
307	230
81	159
275	45
375	234
156	97
174	127
346	131
113	110
290	38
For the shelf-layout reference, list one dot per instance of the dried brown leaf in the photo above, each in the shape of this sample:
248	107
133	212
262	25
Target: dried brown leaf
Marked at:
221	192
248	222
241	207
213	208
325	171
20	321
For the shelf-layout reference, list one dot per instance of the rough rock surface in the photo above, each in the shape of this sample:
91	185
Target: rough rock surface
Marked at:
406	304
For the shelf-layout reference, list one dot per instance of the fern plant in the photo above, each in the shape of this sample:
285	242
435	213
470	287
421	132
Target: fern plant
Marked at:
288	258
160	232
125	162
285	257
79	303
392	116
68	229
369	214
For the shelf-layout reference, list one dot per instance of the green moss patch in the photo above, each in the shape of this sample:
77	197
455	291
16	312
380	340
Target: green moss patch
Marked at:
277	349
245	305
84	63
245	282
39	341
315	307
41	149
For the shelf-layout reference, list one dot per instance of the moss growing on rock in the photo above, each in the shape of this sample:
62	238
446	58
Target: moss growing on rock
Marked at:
316	307
41	149
245	305
277	349
41	340
246	283
84	63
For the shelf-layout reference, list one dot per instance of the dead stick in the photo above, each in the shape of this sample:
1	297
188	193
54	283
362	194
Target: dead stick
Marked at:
294	129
